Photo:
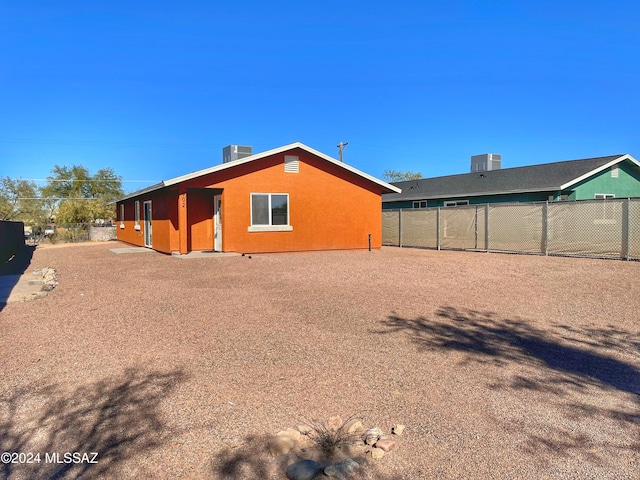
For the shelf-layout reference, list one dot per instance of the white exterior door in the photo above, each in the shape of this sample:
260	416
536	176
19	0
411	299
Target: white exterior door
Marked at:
148	235
217	223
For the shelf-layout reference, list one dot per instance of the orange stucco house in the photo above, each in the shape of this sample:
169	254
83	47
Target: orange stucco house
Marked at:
288	199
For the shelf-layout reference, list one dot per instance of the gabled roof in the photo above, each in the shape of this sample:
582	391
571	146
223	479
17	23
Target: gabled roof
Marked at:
223	166
545	177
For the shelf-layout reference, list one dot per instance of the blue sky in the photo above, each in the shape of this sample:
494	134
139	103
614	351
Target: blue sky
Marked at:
156	89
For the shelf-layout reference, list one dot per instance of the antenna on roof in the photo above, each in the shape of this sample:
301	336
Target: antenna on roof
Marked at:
341	147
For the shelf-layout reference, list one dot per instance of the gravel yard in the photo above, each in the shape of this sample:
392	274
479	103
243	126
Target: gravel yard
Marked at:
500	366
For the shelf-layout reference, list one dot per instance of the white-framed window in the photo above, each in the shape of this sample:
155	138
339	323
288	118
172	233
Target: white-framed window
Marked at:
270	212
136	224
420	204
122	215
609	213
456	203
614	171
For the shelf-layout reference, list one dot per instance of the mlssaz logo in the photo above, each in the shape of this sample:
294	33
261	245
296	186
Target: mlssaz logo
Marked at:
71	457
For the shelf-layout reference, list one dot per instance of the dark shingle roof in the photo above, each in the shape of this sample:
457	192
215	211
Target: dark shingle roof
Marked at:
534	178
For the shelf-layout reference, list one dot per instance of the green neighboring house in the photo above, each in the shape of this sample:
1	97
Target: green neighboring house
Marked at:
615	176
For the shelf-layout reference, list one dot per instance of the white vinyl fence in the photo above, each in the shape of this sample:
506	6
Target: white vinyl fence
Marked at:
587	228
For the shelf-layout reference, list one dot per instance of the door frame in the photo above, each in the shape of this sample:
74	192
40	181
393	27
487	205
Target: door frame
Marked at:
148	221
217	223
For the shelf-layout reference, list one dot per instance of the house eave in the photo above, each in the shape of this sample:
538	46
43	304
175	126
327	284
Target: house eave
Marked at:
143	191
595	171
276	151
386	187
472	194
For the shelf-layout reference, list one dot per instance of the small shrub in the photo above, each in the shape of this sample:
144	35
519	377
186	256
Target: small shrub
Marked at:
330	440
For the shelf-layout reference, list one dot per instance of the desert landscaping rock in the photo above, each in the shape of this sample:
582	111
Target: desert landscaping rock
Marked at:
303	428
397	429
22	288
385	444
371	436
49	279
353	425
303	470
356	450
377	453
280	463
335	422
292	433
280	445
347	454
342	470
375	431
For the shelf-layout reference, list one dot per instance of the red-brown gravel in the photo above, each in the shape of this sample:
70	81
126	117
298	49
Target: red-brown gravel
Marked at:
500	366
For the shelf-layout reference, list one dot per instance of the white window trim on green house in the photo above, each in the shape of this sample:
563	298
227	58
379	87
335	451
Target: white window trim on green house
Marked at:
608	214
262	215
456	203
420	204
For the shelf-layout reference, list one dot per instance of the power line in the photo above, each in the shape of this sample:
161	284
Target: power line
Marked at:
57	198
86	181
35	141
106	143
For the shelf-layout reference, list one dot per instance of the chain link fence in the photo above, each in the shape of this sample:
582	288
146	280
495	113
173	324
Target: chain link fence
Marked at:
634	229
70	233
588	228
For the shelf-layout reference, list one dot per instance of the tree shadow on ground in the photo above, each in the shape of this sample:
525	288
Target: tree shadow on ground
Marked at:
118	418
247	460
567	362
486	337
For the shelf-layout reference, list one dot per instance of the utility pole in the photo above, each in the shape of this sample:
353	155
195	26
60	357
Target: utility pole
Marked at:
341	147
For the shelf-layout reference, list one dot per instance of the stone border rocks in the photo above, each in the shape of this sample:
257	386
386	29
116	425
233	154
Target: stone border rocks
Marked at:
301	453
47	278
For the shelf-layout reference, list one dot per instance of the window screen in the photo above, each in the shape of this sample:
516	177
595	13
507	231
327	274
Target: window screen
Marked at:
269	209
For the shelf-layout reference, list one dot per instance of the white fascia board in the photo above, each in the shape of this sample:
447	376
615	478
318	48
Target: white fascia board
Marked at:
600	169
276	151
224	166
137	193
386	185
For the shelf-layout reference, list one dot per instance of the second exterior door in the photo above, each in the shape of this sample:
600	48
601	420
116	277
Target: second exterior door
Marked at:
148	235
217	223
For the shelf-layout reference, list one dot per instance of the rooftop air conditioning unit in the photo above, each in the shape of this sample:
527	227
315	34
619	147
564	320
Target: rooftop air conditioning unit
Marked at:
235	152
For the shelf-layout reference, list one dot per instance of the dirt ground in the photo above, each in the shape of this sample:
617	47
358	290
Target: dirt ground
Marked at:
500	366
